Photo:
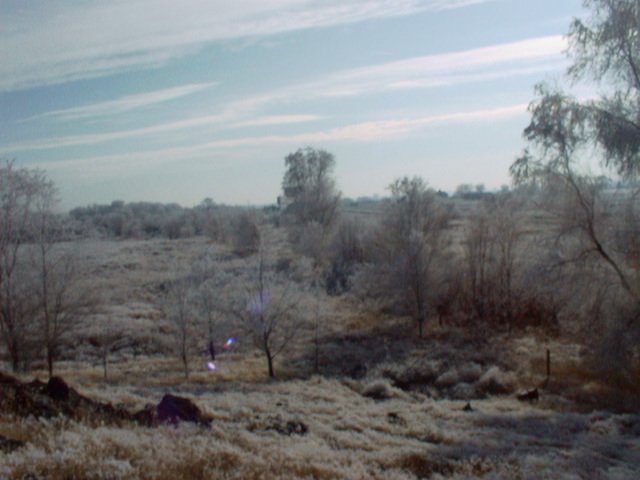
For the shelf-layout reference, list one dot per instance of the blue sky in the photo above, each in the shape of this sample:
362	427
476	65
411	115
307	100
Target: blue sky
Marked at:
169	101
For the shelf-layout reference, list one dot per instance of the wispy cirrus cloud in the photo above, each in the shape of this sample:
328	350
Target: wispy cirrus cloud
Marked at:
511	59
232	112
63	41
378	130
269	120
382	130
125	104
481	64
95	138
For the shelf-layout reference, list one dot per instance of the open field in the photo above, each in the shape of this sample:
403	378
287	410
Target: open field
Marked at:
385	404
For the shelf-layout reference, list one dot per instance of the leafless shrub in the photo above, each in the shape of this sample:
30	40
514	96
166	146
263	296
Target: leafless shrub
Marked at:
105	338
491	257
63	301
263	304
311	240
346	251
246	234
179	309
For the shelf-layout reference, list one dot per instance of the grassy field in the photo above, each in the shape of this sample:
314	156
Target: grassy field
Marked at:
383	405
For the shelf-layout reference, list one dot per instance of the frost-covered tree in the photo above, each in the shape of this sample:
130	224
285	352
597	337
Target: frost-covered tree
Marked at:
490	244
410	247
61	299
605	48
263	302
309	188
179	309
599	230
33	296
246	233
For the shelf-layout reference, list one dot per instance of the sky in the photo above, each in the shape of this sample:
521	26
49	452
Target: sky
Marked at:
167	101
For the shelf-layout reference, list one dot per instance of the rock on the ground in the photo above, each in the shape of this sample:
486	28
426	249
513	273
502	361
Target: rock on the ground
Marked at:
173	409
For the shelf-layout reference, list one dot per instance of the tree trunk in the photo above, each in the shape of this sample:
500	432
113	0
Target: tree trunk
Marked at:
267	352
185	359
15	363
105	353
14	354
548	364
317	348
185	363
50	360
272	373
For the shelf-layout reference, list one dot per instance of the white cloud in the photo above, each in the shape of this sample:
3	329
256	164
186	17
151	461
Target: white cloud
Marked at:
276	120
233	111
481	64
53	43
92	139
378	130
460	78
126	103
383	130
487	63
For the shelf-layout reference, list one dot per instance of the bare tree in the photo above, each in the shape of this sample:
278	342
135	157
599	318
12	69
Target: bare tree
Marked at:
491	253
178	307
206	295
264	306
477	259
19	190
346	251
604	48
246	233
60	297
62	301
564	130
410	246
106	339
269	318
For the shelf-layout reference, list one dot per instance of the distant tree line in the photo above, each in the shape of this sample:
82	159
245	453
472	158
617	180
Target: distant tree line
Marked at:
152	220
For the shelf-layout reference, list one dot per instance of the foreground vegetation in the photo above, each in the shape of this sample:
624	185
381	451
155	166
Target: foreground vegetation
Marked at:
349	436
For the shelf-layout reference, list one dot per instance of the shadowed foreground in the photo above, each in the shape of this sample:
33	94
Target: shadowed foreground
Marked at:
331	429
